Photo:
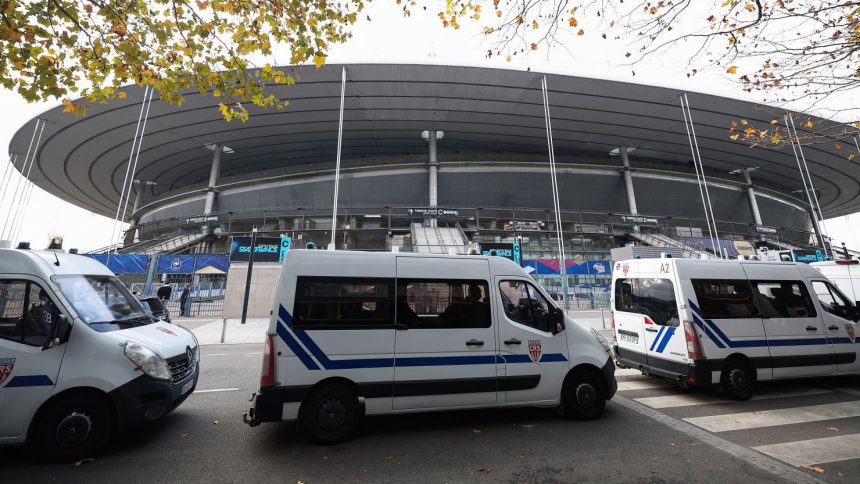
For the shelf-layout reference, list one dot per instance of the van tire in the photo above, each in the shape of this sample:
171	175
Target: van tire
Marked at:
583	395
330	414
58	433
738	379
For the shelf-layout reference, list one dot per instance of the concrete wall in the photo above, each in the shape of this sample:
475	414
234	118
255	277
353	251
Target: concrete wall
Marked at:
264	282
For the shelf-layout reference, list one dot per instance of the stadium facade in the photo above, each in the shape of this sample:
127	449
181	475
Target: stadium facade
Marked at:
437	156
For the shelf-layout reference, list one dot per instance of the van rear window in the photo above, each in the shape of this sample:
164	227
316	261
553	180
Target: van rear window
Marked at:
654	298
343	303
725	299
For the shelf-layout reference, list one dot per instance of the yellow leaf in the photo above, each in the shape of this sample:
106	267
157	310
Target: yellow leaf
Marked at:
734	137
732	69
813	468
508	58
744	122
535	24
653	10
572	22
774	121
121	94
69	106
319	60
851	157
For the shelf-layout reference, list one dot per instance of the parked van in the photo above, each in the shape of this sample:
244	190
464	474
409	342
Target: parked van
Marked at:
80	357
844	273
360	333
734	323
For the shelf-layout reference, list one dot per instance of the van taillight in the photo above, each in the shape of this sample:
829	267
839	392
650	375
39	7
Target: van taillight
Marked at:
694	346
267	375
613	324
848	262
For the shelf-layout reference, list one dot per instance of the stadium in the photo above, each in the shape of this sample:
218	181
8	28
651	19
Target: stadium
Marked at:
434	158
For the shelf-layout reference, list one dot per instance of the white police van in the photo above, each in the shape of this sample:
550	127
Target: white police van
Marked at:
360	333
844	273
700	322
80	357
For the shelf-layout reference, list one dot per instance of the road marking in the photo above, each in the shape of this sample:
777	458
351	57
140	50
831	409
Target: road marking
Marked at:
217	354
815	451
849	391
690	399
627	372
213	390
772	418
254	354
624	386
762	461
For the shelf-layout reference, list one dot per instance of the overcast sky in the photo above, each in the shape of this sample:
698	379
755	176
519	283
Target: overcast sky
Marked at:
390	38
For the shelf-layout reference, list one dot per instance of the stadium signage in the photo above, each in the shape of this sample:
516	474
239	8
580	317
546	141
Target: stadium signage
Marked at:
508	251
201	220
764	230
267	249
523	225
638	219
430	212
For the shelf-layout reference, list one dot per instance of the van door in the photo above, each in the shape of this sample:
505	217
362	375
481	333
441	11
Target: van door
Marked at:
796	337
29	364
445	343
536	360
629	324
841	331
657	301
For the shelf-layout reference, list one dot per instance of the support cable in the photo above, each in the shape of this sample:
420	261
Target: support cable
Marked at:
127	169
134	167
26	167
555	194
337	160
815	225
10	169
820	214
704	179
698	178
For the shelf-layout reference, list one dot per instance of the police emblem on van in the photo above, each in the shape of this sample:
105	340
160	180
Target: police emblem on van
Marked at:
534	349
6	366
849	328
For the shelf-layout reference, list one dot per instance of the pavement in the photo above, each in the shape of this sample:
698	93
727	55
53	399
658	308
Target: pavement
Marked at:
211	331
635	441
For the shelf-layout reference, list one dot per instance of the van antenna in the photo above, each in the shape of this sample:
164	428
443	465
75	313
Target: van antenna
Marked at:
56	258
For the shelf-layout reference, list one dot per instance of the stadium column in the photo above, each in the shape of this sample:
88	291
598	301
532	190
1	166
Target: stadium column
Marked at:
756	215
433	167
628	180
213	179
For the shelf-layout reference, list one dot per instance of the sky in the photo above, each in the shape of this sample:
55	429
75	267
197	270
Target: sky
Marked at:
384	35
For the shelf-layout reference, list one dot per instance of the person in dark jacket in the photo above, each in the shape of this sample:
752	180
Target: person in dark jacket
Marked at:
164	292
185	301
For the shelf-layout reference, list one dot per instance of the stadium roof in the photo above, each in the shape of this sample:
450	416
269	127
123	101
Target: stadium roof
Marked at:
83	160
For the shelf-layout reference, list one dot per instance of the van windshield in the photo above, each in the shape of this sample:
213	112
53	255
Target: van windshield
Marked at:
102	302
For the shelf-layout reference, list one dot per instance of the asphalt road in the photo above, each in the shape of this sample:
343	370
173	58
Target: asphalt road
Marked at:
205	441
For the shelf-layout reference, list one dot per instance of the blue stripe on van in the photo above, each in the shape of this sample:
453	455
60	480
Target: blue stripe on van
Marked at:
30	381
656	339
708	332
286	333
296	347
670	330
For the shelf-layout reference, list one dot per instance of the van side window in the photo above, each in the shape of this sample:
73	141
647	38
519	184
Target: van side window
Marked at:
524	304
27	314
443	304
830	298
783	299
343	303
654	298
725	299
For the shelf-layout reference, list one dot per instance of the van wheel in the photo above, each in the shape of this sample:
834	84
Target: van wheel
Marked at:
738	379
74	428
583	395
331	414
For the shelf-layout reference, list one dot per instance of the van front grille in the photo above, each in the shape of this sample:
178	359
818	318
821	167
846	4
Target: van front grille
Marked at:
179	370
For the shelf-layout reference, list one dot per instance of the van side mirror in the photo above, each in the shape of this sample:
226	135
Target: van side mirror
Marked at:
556	321
61	335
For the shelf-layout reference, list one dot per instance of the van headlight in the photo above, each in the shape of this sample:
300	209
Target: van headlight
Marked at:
147	360
601	340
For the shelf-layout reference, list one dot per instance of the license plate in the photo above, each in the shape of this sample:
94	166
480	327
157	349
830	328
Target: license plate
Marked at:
628	338
187	387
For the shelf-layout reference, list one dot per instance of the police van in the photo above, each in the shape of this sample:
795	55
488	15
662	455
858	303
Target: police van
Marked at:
844	273
703	322
80	357
360	333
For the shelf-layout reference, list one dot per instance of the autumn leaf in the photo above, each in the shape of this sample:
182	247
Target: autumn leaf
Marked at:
813	468
572	22
851	157
837	146
735	136
319	60
534	46
581	32
774	121
734	125
744	122
732	69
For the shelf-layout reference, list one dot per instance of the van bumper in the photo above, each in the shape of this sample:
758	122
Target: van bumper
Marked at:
696	374
609	372
146	398
268	404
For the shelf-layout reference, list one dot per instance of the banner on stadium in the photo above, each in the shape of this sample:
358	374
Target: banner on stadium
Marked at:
267	249
123	263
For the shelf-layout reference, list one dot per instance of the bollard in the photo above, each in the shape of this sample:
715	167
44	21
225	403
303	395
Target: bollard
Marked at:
602	318
224	330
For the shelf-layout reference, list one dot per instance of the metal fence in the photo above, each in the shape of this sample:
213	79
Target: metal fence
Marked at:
207	298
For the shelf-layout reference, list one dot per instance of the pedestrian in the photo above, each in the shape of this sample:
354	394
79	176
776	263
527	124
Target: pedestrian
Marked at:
185	301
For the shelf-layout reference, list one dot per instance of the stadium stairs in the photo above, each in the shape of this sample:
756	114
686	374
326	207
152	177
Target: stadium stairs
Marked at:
438	240
658	240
